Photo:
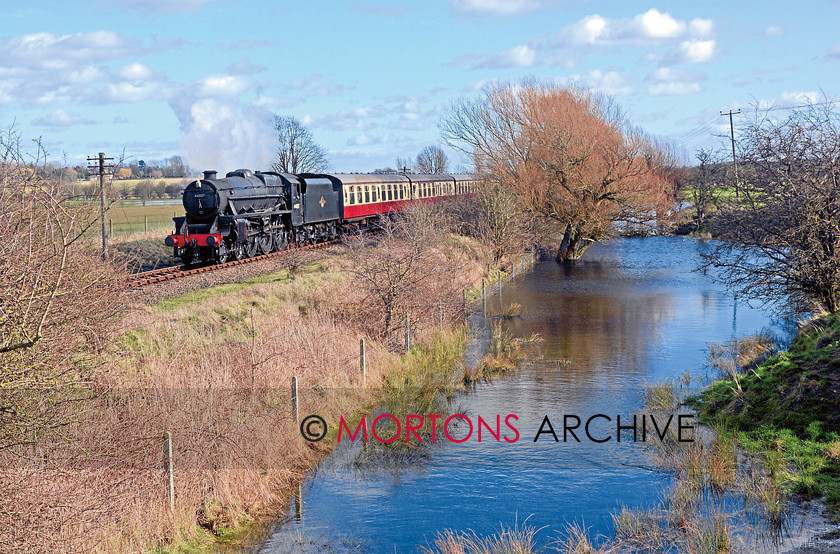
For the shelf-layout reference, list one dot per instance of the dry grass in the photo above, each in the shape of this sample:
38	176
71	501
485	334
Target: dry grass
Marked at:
519	539
215	371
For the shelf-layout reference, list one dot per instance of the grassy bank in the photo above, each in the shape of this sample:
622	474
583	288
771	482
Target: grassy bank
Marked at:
214	368
787	410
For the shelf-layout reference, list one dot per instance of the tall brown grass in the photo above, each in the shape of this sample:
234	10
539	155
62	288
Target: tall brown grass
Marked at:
215	371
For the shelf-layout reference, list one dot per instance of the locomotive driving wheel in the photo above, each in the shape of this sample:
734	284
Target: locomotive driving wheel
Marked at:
251	247
279	240
264	241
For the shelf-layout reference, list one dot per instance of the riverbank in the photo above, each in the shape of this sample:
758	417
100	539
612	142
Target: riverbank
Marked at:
786	410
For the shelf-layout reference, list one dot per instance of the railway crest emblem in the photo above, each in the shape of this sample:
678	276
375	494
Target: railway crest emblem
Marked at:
322	202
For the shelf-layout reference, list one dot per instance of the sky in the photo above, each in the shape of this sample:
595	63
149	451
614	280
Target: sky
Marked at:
149	79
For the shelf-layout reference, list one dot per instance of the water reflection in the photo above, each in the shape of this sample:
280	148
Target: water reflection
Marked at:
632	311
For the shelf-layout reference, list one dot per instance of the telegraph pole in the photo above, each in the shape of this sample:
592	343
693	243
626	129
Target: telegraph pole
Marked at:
101	168
730	113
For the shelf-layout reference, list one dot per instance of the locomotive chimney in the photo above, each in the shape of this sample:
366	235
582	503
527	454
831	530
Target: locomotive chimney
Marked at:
209	174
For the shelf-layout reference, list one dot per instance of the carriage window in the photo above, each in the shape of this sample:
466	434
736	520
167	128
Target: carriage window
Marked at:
374	190
390	192
367	193
358	195
346	200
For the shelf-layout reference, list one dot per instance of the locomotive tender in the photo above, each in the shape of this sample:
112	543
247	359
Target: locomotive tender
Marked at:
249	213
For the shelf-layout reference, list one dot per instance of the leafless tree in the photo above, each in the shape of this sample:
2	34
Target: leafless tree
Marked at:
56	297
568	154
404	165
297	151
782	238
400	269
432	159
494	216
704	184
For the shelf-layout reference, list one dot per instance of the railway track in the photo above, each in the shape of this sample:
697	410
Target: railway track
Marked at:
146	278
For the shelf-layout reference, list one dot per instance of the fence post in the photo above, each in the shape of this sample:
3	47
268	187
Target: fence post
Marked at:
145	223
407	342
440	312
167	463
298	503
465	301
295	400
362	366
110	227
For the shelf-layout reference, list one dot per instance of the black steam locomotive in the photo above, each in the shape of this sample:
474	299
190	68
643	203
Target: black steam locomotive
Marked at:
249	213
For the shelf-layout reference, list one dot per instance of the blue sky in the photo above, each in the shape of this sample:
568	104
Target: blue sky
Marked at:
201	78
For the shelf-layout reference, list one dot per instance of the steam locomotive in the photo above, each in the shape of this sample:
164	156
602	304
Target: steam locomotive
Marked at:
248	213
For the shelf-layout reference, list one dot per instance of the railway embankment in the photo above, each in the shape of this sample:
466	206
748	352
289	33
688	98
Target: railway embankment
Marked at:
215	365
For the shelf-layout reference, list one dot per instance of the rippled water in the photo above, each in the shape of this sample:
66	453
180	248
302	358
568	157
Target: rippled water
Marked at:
633	310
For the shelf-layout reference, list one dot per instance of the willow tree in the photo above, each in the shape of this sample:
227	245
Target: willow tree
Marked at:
567	154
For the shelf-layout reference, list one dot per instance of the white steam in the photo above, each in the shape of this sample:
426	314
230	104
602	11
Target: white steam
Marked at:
223	135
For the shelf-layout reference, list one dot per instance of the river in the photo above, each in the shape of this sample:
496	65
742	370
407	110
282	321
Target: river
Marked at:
632	311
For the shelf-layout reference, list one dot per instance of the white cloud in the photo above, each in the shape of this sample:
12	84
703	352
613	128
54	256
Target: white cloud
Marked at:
53	52
519	56
652	26
612	82
224	85
136	71
40	69
497	8
674	89
691	51
655	24
809	97
135	92
665	81
61	119
834	52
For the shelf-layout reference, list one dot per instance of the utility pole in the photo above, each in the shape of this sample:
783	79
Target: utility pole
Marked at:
730	113
101	169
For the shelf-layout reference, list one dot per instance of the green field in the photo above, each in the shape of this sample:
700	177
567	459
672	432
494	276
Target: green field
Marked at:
128	218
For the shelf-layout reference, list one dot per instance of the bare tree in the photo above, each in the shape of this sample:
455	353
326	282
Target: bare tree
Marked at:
297	151
782	238
56	297
404	165
399	274
494	216
704	184
432	159
568	155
